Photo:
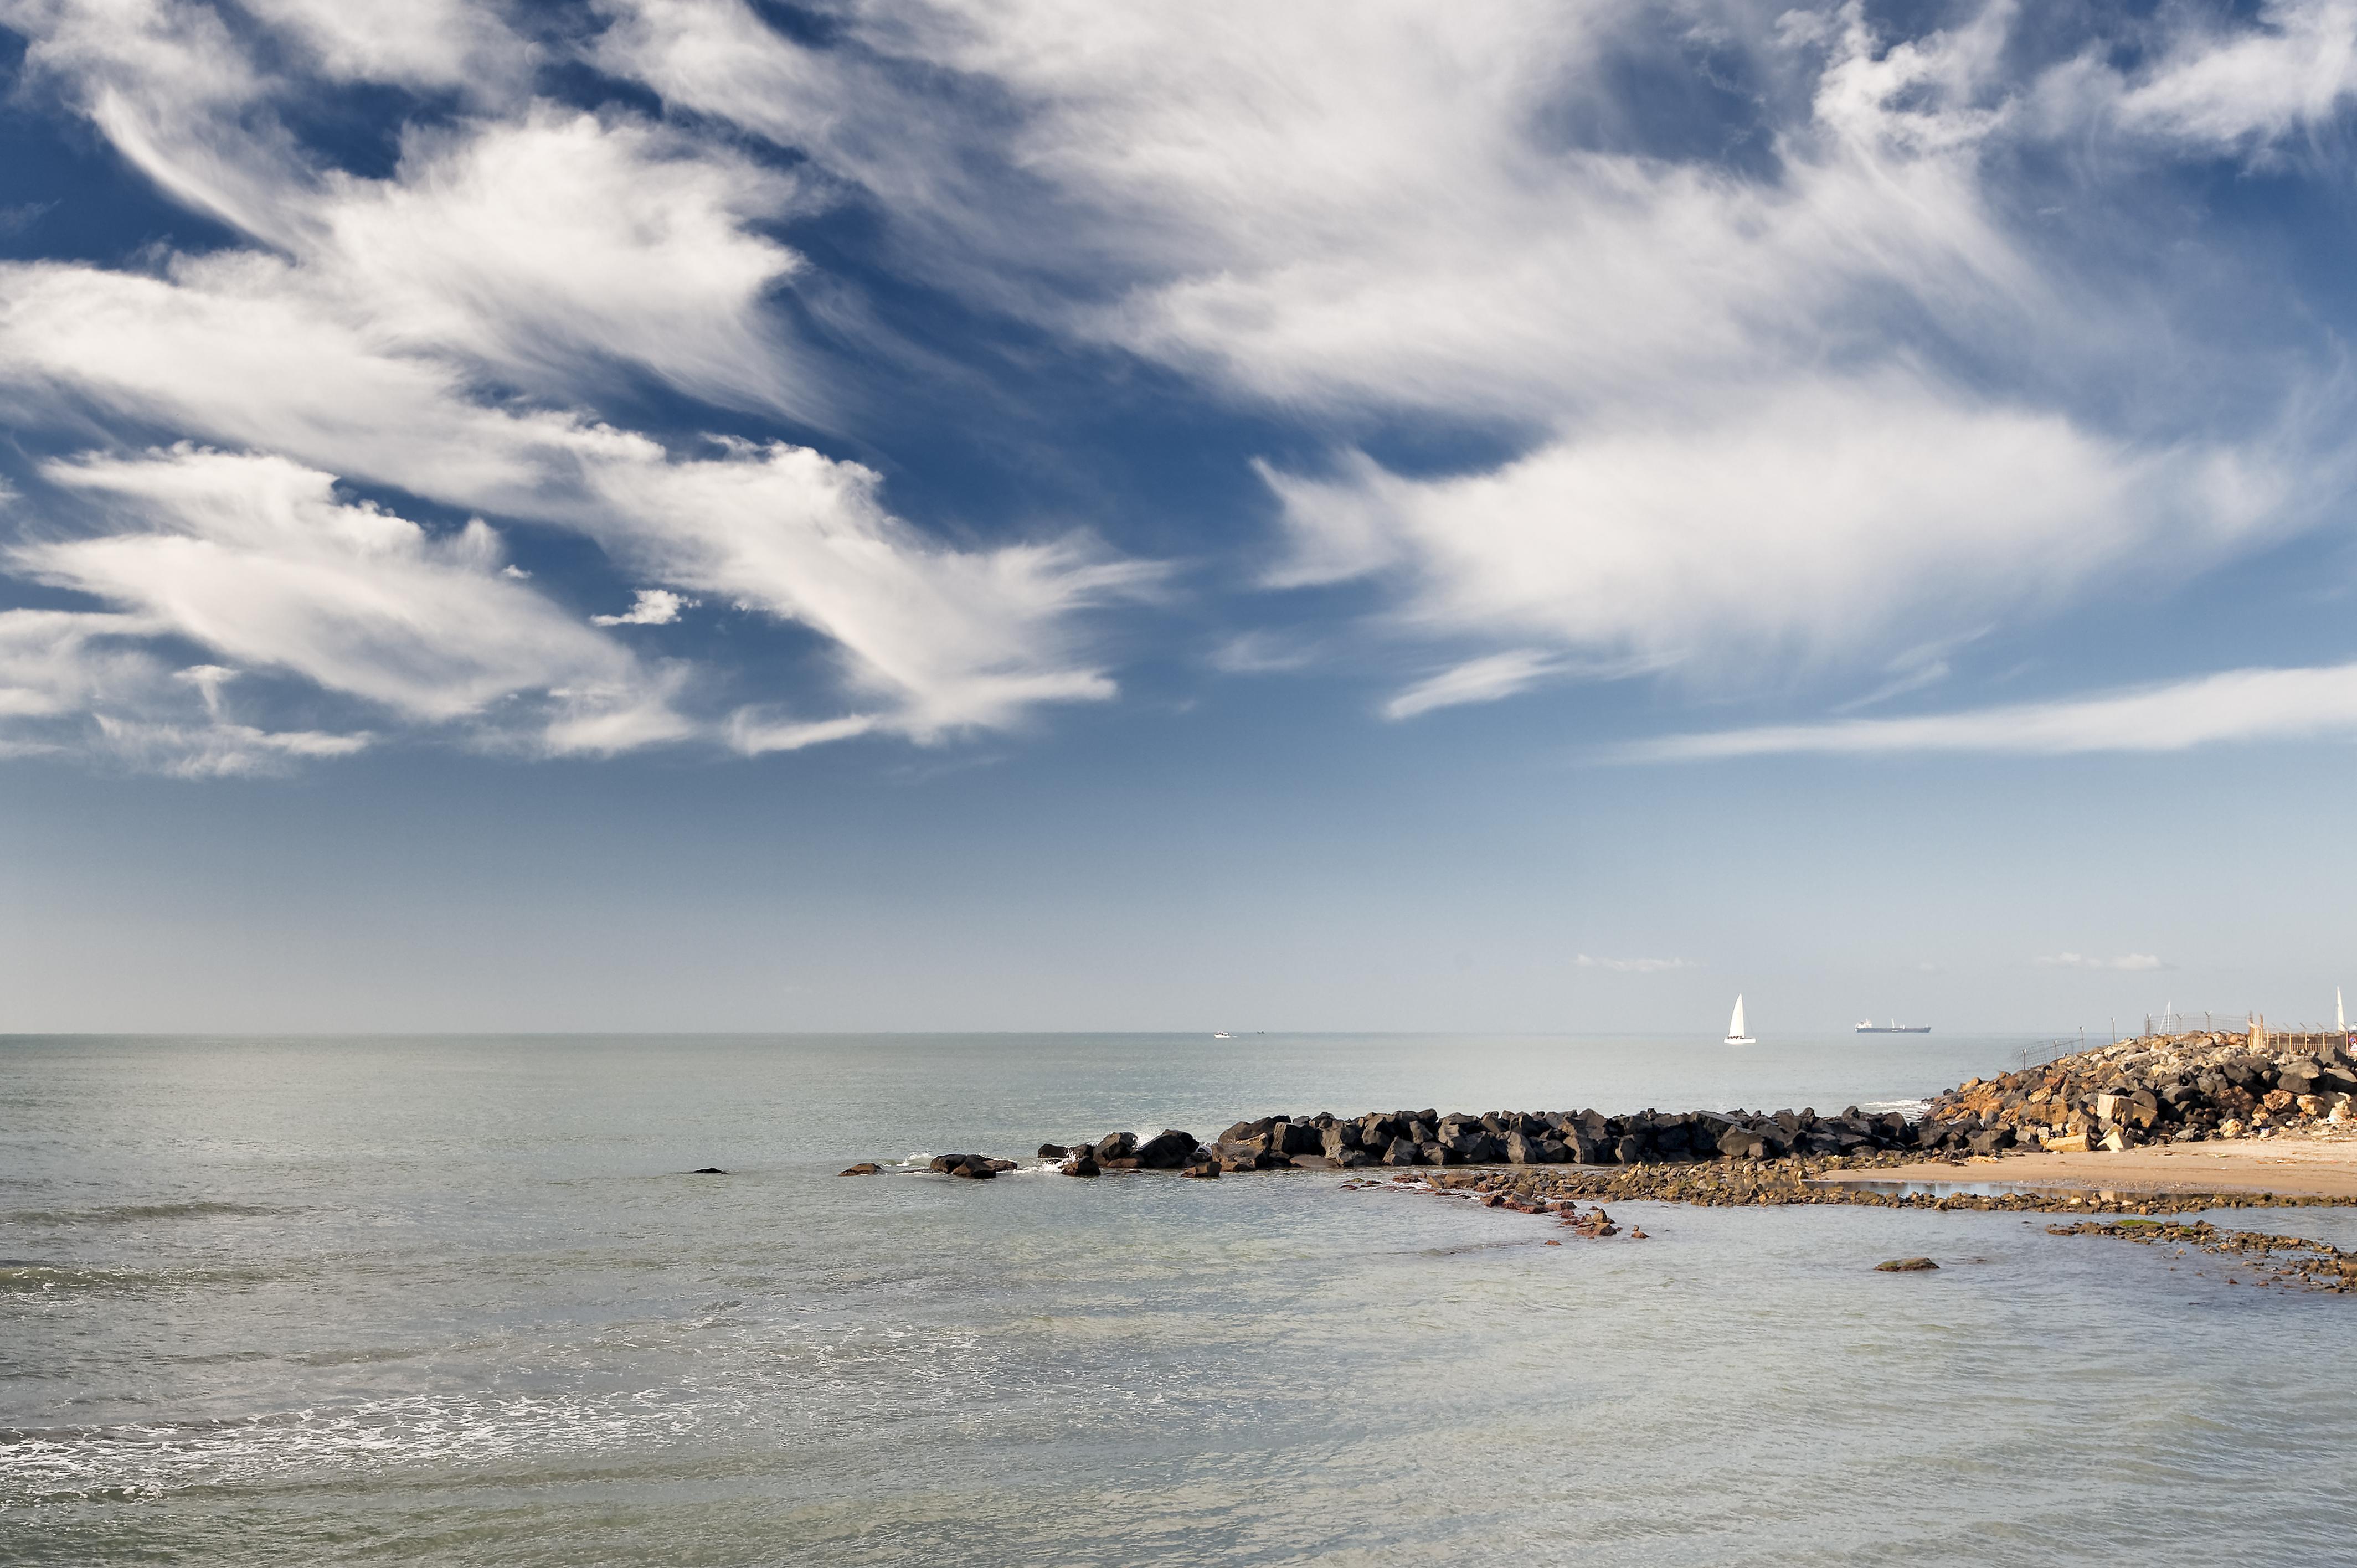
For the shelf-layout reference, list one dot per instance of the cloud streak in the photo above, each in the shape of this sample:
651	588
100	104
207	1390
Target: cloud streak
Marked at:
1634	965
2234	707
2134	961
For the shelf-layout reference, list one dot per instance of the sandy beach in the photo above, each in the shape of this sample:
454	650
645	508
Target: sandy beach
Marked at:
2318	1167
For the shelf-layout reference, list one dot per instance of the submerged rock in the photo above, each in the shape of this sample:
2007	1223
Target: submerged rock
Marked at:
864	1167
1905	1266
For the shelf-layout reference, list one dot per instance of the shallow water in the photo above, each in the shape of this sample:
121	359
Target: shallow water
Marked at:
454	1301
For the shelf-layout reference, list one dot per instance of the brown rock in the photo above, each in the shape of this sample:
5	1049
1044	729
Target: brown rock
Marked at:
864	1167
1905	1266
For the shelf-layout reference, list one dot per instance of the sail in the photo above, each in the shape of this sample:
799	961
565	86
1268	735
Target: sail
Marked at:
1735	1025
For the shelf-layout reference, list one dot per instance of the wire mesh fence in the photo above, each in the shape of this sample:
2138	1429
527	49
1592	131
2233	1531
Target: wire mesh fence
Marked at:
2179	1022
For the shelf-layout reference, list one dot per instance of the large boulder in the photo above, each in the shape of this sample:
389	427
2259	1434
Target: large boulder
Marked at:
1167	1150
2299	1076
1474	1146
1116	1146
1403	1152
1341	1139
1296	1138
1740	1143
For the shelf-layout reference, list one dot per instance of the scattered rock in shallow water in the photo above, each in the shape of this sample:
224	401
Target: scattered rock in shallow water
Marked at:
1081	1163
1053	1150
709	1170
1905	1266
864	1167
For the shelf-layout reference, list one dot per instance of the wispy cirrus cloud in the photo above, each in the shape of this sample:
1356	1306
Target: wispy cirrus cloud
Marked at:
2238	705
1634	965
256	560
1483	680
1820	367
1775	416
2129	962
449	330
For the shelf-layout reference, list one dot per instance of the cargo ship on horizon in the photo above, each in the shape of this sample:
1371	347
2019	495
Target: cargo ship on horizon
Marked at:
1868	1027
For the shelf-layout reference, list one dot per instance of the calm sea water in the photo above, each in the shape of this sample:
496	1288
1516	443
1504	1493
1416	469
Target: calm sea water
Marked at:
454	1301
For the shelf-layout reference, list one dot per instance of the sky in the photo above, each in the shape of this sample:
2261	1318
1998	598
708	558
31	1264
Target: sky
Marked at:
936	514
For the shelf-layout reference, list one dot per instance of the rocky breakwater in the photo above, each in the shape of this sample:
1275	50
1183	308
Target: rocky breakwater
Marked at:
2155	1089
1403	1138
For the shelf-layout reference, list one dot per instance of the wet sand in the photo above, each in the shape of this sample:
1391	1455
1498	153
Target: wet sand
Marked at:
2309	1167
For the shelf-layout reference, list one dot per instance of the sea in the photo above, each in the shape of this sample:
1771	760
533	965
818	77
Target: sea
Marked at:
460	1300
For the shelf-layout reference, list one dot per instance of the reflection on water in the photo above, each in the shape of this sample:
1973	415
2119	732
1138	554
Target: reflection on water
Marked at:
455	1302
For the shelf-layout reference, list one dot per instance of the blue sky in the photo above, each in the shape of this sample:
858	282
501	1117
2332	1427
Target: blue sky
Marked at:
697	513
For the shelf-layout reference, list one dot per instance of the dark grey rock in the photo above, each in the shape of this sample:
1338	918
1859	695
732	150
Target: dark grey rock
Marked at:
1167	1150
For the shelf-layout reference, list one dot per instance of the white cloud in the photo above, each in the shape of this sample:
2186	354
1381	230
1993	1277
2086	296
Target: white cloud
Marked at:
1483	680
216	750
91	682
2238	705
2134	960
424	43
1778	418
436	330
2293	71
256	560
539	248
937	640
1263	653
1634	965
1828	518
649	607
1774	414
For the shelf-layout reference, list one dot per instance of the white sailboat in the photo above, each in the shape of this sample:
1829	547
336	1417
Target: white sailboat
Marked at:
1734	1035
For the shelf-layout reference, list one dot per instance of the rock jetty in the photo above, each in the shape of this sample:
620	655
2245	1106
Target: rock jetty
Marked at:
1428	1137
2156	1089
2175	1088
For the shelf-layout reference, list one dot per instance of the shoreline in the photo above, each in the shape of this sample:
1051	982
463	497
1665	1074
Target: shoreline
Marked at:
2310	1169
